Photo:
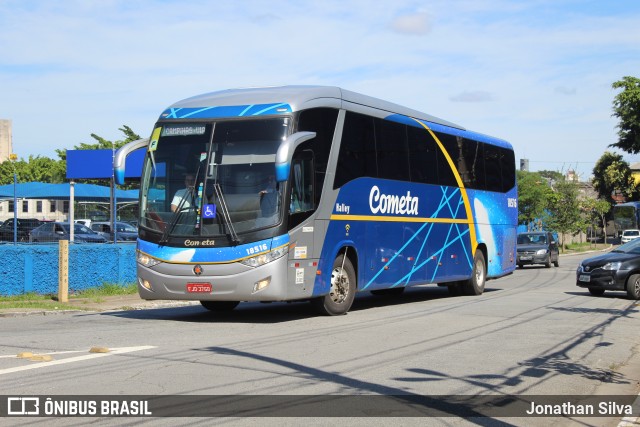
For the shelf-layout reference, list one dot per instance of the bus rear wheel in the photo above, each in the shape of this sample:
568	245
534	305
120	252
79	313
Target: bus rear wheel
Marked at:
475	285
342	291
219	305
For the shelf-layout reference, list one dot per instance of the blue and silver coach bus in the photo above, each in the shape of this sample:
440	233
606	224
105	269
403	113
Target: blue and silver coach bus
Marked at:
317	193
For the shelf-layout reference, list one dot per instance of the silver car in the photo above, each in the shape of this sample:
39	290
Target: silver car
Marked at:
125	232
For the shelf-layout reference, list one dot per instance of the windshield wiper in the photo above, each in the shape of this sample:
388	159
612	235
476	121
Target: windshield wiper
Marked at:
225	213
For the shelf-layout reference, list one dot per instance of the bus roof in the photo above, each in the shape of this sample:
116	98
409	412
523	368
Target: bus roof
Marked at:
300	98
286	99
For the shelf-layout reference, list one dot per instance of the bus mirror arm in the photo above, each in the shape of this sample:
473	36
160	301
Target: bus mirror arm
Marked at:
285	153
120	158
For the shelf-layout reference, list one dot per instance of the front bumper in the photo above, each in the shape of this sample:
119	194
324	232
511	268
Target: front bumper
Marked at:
229	284
614	280
524	258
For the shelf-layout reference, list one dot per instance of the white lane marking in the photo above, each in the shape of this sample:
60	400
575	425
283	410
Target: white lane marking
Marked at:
15	356
90	356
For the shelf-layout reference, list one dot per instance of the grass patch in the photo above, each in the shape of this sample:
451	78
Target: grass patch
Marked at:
586	246
107	290
33	300
45	304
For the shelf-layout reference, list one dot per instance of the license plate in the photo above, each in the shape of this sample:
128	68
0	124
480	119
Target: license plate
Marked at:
199	288
584	278
526	258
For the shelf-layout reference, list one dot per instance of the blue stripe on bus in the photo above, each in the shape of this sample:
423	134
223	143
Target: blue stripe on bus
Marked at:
210	255
212	112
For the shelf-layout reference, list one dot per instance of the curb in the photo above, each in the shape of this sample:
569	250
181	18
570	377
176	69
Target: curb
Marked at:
588	252
145	306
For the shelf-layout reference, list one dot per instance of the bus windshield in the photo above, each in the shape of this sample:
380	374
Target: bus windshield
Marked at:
212	179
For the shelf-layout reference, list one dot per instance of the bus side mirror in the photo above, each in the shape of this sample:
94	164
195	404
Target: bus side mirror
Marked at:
285	153
120	158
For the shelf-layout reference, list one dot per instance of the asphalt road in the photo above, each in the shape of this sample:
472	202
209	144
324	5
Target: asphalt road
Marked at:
530	333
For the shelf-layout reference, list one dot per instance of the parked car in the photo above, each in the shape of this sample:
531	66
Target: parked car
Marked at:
83	221
538	247
629	235
618	270
25	225
54	231
125	232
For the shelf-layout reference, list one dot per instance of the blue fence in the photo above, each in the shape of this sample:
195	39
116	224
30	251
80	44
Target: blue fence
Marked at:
34	268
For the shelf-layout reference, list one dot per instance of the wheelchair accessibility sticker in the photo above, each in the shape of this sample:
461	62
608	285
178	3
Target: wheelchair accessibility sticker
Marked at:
209	211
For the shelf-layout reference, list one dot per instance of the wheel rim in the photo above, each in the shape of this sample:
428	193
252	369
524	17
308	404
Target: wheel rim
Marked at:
339	285
479	273
636	288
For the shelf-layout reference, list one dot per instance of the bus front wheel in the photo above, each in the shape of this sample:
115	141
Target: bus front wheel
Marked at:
219	305
342	291
475	285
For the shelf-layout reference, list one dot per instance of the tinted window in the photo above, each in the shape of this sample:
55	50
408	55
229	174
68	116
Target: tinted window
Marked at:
322	121
423	156
493	165
393	153
357	157
445	174
411	153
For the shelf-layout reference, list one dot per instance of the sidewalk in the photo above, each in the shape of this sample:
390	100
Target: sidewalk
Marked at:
108	303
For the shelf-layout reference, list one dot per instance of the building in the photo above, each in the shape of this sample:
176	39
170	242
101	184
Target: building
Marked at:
43	209
6	144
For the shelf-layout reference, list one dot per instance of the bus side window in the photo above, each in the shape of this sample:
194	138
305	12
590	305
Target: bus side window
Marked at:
357	157
302	199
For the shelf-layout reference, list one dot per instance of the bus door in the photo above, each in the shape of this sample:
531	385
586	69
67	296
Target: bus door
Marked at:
302	204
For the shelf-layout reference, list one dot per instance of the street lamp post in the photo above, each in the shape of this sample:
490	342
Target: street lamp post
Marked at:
13	157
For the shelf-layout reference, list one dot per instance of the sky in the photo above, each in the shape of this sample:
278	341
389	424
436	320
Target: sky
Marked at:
537	73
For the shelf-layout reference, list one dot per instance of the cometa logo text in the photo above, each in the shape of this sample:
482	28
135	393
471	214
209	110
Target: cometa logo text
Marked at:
392	203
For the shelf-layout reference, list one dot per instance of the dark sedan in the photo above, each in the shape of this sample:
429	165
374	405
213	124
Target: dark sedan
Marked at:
54	231
538	247
618	270
25	225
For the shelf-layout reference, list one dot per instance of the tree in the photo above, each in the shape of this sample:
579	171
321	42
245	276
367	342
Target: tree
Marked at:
564	209
601	208
626	107
103	144
612	174
533	196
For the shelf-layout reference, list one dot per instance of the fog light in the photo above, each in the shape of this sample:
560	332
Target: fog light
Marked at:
145	284
260	285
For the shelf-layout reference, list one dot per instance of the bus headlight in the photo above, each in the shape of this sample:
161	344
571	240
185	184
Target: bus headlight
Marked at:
146	260
265	258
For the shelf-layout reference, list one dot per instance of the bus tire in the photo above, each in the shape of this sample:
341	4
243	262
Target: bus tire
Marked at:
475	285
342	291
633	287
219	305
